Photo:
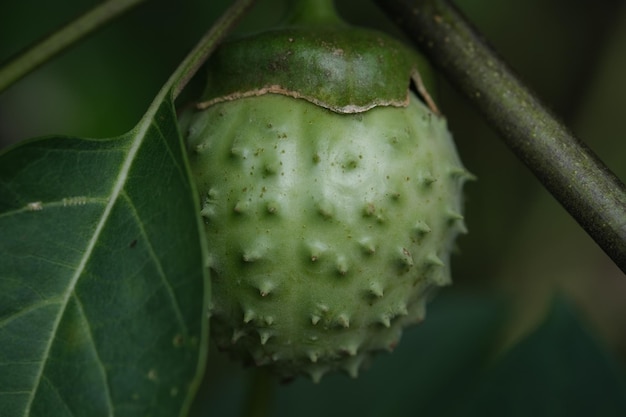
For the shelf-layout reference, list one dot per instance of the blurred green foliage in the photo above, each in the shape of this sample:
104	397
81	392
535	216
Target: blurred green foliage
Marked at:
496	343
447	368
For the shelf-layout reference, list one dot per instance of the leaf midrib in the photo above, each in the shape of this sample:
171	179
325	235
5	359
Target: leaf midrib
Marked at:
140	133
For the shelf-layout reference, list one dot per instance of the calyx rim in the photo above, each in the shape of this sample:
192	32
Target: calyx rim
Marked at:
341	68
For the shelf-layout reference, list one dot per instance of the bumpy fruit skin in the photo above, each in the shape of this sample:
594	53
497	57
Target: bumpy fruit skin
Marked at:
327	232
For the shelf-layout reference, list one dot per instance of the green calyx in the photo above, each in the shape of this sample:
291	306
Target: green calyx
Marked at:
317	57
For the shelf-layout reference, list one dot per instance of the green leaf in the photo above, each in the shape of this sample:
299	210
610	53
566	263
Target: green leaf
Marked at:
560	370
101	275
103	290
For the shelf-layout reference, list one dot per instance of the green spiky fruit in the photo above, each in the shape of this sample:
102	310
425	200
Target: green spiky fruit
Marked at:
327	230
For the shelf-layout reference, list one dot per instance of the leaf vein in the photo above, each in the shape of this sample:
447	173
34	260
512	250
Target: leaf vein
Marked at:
59	396
139	135
107	385
157	262
28	309
181	170
38	206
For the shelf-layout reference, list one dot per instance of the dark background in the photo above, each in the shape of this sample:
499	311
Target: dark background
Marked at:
536	321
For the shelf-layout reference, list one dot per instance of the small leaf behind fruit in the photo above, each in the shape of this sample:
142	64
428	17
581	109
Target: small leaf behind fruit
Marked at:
101	275
559	370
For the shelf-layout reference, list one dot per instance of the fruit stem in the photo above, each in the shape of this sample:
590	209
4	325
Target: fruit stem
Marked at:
259	394
312	13
574	175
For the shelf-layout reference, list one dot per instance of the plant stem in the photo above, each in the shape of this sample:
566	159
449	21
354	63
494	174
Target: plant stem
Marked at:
583	185
194	60
259	394
40	52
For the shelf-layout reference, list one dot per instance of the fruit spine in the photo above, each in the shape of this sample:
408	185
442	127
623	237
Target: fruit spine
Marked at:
330	217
